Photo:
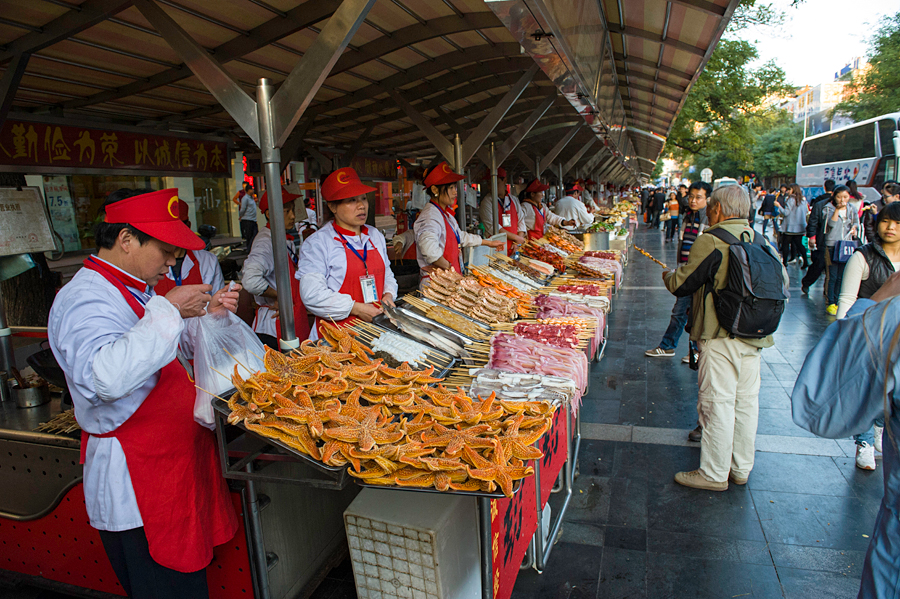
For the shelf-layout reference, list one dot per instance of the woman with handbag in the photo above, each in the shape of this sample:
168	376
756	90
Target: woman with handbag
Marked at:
672	205
841	230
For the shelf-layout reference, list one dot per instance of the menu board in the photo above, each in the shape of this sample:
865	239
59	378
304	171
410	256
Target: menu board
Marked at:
24	228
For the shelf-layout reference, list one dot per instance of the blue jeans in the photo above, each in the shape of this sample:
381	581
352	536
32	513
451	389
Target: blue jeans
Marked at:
835	277
676	323
869	435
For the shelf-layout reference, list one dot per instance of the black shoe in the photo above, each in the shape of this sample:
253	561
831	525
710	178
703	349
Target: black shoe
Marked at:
696	434
804	290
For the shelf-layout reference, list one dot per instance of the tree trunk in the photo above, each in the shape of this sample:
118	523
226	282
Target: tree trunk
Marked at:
27	297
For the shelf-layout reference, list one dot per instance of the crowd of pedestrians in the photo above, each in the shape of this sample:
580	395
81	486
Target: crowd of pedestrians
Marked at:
856	244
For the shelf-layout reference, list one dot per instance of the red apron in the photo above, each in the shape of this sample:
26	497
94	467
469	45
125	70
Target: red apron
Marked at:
356	268
451	245
410	253
174	467
538	231
514	224
165	284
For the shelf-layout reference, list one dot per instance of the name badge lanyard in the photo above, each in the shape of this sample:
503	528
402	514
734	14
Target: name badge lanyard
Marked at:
367	282
446	220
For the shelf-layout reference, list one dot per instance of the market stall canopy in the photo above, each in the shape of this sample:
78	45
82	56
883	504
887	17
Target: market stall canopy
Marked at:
415	74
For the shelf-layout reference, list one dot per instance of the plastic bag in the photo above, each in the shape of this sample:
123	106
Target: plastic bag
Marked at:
217	333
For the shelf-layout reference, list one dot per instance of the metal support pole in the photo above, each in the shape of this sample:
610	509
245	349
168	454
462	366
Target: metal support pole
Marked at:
255	544
562	187
271	159
494	192
460	194
7	358
484	534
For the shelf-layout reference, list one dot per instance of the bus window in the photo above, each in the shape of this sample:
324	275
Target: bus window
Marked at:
852	143
886	129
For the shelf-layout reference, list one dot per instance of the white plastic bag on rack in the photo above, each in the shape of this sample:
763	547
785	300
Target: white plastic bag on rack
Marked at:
221	334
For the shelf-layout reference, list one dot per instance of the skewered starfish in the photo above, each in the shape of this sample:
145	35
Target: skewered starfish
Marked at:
497	469
367	433
380	455
337	453
304	412
298	438
520	444
241	413
441	481
453	440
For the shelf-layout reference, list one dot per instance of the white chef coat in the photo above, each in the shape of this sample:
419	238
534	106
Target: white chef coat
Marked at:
550	219
571	209
589	202
431	235
258	275
323	267
112	361
486	212
210	271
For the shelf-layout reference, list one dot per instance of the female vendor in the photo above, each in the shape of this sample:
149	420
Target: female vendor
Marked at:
438	238
344	271
536	216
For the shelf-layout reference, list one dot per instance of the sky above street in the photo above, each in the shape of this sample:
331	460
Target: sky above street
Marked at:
820	36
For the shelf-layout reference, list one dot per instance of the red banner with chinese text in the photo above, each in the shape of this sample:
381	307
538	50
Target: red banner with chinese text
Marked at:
375	168
514	521
28	145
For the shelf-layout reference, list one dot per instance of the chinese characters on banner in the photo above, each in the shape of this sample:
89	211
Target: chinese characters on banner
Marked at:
25	144
514	521
62	212
375	168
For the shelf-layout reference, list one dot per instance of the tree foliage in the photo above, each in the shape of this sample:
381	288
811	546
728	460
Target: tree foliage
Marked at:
877	91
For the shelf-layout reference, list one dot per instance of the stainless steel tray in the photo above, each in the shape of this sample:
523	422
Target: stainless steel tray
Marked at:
475	321
439	371
410	311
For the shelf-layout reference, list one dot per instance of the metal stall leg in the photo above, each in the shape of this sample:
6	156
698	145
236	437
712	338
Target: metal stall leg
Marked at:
484	536
255	545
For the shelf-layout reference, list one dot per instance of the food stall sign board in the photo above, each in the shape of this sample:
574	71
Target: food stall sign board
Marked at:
24	227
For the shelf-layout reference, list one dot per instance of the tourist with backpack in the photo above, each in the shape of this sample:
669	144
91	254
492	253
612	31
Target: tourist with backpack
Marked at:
738	288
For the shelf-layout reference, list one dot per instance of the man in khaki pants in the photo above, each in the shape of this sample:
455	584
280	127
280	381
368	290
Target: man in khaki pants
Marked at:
728	376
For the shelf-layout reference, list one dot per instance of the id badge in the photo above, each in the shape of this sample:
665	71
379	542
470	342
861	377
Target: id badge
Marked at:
369	290
507	220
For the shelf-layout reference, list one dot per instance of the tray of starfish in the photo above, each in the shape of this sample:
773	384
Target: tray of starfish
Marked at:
336	407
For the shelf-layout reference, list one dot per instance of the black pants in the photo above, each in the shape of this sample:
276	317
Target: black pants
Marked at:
654	219
816	267
143	578
268	340
792	247
672	228
249	229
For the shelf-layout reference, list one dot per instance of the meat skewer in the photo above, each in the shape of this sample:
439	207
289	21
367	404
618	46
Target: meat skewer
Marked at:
651	257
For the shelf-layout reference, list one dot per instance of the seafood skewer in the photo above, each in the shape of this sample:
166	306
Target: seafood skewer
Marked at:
651	257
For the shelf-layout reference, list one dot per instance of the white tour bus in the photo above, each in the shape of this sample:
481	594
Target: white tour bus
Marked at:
865	152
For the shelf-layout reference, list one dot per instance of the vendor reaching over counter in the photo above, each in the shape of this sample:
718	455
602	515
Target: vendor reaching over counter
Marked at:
510	218
258	275
438	237
570	206
152	485
344	271
536	215
191	267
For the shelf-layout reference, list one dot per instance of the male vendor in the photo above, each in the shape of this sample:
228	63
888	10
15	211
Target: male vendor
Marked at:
191	268
151	478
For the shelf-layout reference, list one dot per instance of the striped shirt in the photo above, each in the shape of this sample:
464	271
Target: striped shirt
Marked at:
694	224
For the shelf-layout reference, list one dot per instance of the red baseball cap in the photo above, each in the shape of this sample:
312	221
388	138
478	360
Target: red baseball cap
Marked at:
286	198
342	184
590	182
156	214
536	186
574	187
442	174
183	213
501	174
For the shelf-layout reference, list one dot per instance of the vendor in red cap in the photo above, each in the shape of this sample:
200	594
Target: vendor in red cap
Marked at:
152	484
345	272
192	267
536	215
511	218
258	275
570	206
438	238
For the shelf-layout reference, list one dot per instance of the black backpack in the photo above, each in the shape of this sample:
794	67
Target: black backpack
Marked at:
752	302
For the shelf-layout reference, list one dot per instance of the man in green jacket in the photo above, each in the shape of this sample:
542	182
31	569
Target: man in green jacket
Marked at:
728	376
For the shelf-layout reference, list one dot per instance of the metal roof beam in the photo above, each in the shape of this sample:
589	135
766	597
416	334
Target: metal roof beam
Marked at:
574	159
703	6
656	37
271	31
644	77
487	125
9	83
208	70
88	14
594	161
441	143
516	137
297	91
649	63
358	144
559	147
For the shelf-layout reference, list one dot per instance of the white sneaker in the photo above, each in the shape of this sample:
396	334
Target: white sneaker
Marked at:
658	352
879	432
865	456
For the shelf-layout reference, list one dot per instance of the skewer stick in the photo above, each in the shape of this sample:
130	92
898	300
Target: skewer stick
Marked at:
211	393
238	363
228	378
260	359
649	256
